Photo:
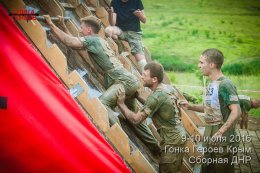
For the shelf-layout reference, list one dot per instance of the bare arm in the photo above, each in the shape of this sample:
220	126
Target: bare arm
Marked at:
64	26
134	118
68	40
197	108
233	116
111	16
140	14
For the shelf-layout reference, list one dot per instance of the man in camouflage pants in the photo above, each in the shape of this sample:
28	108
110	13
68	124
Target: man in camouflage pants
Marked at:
127	15
161	106
221	108
115	75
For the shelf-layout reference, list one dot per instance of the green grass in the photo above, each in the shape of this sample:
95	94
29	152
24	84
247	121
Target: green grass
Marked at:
177	31
242	82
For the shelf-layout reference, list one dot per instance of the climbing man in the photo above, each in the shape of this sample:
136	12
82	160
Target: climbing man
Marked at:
115	75
161	106
127	14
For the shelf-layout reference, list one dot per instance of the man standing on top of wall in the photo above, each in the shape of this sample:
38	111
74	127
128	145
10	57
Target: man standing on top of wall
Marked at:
127	14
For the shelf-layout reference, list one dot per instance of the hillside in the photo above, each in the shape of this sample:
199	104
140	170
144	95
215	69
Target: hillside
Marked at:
177	31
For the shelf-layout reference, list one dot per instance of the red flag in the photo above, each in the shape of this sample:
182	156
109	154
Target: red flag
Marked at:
42	128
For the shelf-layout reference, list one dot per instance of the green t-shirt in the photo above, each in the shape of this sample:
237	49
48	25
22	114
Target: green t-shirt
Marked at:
161	107
105	58
219	95
245	103
95	49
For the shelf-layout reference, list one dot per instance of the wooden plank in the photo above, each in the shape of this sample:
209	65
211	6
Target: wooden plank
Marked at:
192	152
113	45
125	63
94	67
74	3
122	145
93	106
52	7
190	127
67	5
104	3
140	164
134	71
92	3
192	115
195	118
127	48
73	28
186	168
192	149
102	14
82	10
52	53
148	55
101	33
136	160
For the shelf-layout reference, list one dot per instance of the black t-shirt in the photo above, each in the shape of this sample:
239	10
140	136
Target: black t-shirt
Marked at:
125	19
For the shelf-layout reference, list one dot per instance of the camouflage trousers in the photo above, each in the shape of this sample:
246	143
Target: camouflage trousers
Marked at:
135	41
170	162
210	130
109	99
